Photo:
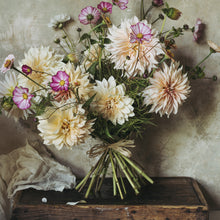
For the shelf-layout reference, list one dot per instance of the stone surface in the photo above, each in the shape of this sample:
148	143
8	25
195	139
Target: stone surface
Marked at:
186	144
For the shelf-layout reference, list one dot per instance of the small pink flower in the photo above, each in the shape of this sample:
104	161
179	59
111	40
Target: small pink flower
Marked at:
9	61
198	30
105	7
141	32
60	81
89	15
122	4
22	97
157	3
26	69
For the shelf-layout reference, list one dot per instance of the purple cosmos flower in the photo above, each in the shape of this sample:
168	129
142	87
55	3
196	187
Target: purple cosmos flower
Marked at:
140	33
122	4
22	97
9	61
198	30
60	81
89	15
105	7
157	3
26	69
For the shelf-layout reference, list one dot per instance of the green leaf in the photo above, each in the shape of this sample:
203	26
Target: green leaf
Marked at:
92	41
85	36
88	102
92	68
107	41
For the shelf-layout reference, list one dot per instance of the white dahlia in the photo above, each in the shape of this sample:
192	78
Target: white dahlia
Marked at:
7	87
46	62
111	101
169	88
135	57
78	80
64	127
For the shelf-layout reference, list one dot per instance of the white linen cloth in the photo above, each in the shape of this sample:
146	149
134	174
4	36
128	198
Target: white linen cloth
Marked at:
27	167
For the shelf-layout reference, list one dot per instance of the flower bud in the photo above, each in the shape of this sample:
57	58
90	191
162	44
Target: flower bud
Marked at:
57	41
214	78
157	3
72	58
79	29
7	106
26	69
172	13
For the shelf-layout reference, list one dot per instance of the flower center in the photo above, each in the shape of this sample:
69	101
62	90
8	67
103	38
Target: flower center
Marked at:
65	126
105	9
25	96
139	35
62	82
89	17
77	83
7	63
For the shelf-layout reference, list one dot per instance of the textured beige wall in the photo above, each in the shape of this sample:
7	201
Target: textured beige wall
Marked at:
187	144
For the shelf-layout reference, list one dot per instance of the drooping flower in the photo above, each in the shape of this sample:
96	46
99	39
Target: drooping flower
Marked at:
111	101
169	88
44	63
64	127
26	69
60	81
198	30
141	56
89	15
105	7
59	20
157	3
78	82
22	97
9	61
122	4
214	46
140	33
172	13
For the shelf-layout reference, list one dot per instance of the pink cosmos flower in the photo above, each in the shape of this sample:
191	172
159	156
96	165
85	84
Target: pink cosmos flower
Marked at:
22	97
198	30
9	61
122	4
60	81
141	32
89	15
105	7
26	69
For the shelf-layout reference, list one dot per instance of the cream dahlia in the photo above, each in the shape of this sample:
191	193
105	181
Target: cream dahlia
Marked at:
65	127
135	57
78	80
169	88
111	101
44	63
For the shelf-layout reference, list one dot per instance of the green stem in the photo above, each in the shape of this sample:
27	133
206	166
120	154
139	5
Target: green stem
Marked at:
155	21
164	21
28	78
72	44
95	27
148	10
211	52
142	10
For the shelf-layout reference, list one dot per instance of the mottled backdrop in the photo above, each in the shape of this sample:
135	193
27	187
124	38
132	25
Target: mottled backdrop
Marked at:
187	144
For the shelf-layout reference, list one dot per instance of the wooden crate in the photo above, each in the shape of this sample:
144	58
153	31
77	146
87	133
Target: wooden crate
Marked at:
168	198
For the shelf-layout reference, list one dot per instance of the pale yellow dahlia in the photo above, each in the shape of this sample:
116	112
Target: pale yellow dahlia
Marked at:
111	101
46	62
64	127
169	88
135	57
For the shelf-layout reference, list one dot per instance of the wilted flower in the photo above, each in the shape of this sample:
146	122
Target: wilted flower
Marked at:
111	101
157	3
172	13
64	127
122	4
169	88
89	15
60	81
26	69
141	56
105	7
22	97
59	19
198	30
9	61
141	32
214	46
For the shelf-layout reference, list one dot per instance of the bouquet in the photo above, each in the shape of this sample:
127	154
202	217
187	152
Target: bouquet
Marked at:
107	84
